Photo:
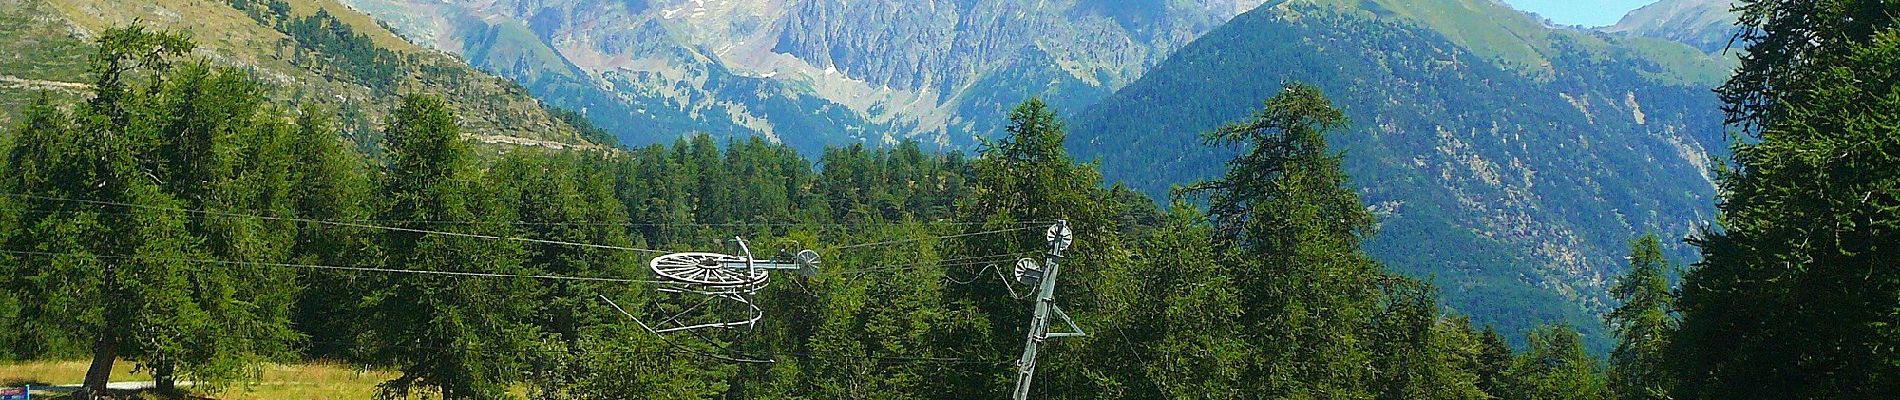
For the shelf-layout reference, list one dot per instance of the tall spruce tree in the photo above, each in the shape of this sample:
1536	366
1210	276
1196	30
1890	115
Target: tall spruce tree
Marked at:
461	338
1554	367
1643	323
1796	291
1494	358
218	147
329	181
1794	296
566	198
1028	176
133	196
1184	309
1294	228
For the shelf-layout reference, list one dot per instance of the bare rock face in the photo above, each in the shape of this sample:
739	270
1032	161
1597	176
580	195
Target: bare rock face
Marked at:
809	72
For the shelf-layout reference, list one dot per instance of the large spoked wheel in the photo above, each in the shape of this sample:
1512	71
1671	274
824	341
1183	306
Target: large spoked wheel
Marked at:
705	269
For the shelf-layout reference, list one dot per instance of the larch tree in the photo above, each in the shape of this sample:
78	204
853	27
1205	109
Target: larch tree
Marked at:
1554	367
1028	176
329	181
459	337
1643	323
1292	228
136	199
1796	291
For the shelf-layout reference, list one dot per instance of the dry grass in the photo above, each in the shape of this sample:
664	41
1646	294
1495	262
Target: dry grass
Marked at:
311	381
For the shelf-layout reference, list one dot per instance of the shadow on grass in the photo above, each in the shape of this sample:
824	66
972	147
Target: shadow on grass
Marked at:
14	382
140	394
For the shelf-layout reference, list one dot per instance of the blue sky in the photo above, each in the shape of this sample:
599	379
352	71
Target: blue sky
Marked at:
1580	12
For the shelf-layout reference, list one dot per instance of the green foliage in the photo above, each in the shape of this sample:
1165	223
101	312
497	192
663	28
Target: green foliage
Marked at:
1029	176
1192	305
1417	353
329	182
1643	323
1511	190
447	335
1794	296
155	138
1265	294
1783	40
1294	229
1555	366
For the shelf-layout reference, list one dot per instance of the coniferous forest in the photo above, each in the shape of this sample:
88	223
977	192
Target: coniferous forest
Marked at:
184	220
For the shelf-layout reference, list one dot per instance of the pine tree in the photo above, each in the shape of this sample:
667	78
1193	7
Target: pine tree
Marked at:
1554	367
219	148
1028	176
42	141
329	182
1643	324
566	198
1294	228
1781	38
1416	354
459	337
1794	292
118	191
1494	358
1188	305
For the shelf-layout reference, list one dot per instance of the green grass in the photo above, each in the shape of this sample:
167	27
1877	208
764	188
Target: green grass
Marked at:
286	382
34	45
1691	66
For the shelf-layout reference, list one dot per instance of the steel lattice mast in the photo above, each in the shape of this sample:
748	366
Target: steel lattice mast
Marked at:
1044	277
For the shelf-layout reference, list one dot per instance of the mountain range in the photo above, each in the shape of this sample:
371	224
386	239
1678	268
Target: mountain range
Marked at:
1510	160
310	51
1705	24
809	72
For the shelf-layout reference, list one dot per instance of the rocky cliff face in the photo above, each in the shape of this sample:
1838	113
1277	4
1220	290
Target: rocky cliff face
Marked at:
809	72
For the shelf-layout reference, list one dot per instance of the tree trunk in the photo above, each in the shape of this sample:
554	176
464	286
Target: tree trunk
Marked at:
105	350
105	347
165	379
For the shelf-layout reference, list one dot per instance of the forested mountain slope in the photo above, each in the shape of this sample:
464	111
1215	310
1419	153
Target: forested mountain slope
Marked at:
809	72
1705	24
309	50
1510	160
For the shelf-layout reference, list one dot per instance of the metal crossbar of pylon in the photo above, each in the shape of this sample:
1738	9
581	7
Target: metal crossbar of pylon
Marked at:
1059	238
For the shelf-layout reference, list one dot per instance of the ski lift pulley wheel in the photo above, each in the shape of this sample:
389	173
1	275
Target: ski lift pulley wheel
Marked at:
705	269
1027	272
1059	236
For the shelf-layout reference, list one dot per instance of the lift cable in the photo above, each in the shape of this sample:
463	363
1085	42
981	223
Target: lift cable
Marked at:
338	223
341	268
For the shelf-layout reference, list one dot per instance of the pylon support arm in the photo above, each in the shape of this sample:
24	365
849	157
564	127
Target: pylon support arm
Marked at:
1074	331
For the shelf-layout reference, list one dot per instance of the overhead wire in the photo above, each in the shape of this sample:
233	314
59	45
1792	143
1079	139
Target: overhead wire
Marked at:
669	341
976	277
341	268
592	223
978	260
955	262
479	236
334	223
889	242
